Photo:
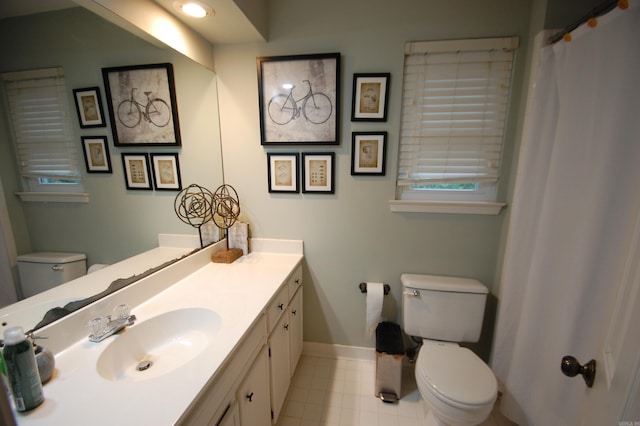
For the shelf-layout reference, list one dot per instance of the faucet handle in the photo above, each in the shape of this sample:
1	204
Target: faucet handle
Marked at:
121	311
98	325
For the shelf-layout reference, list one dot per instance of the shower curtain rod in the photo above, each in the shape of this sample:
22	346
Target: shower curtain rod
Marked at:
599	10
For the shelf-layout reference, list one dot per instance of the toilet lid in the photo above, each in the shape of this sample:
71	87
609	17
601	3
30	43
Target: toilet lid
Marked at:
456	374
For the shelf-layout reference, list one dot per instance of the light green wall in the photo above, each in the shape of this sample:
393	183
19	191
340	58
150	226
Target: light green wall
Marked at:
351	236
116	223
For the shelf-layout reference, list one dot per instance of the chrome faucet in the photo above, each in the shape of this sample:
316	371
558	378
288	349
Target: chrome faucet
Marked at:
103	327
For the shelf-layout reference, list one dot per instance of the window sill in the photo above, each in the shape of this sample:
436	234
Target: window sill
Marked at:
456	207
54	197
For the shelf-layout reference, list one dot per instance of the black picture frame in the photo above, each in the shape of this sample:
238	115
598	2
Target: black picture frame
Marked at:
370	98
287	115
89	107
368	153
318	172
136	171
283	172
96	154
166	172
142	105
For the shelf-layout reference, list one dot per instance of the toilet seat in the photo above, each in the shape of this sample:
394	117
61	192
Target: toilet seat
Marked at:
455	375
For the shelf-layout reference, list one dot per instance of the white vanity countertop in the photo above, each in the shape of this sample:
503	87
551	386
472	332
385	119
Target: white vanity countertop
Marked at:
237	292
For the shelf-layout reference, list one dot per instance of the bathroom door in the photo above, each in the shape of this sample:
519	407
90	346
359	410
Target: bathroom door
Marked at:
615	396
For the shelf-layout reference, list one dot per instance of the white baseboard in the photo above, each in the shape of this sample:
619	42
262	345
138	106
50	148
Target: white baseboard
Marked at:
328	350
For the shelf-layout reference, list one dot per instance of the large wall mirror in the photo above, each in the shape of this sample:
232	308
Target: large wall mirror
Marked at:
117	222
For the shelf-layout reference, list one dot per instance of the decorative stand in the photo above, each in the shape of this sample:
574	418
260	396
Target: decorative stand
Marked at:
196	205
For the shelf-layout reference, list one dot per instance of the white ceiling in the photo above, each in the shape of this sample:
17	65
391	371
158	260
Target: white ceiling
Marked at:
227	25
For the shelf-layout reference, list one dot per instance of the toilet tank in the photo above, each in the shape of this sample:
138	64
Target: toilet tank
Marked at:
443	308
43	271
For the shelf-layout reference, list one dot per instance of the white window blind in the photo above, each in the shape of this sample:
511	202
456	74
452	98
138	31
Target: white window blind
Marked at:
41	123
455	101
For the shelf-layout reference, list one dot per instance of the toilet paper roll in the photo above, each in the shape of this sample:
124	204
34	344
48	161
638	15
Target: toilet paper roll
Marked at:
375	295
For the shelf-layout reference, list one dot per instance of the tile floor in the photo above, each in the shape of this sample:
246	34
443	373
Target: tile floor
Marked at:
339	392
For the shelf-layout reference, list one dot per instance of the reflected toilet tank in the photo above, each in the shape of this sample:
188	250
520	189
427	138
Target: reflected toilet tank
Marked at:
43	271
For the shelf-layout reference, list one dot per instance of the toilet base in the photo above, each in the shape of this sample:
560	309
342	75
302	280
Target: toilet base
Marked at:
430	419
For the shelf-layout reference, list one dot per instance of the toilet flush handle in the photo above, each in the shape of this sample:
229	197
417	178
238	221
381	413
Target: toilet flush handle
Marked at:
57	268
413	292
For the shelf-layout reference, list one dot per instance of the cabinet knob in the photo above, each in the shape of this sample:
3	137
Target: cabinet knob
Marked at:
250	397
297	281
286	326
281	306
295	311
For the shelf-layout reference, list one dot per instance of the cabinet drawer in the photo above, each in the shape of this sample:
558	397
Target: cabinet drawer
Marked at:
277	306
295	280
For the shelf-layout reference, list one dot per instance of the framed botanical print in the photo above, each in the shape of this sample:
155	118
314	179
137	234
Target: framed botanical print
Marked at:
318	173
166	172
368	153
142	105
283	172
370	97
89	107
96	154
136	171
299	99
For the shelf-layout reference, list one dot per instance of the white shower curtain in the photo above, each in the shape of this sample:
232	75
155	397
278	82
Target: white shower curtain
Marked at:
577	199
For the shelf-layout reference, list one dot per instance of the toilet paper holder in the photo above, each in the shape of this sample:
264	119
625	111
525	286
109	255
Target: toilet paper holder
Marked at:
363	288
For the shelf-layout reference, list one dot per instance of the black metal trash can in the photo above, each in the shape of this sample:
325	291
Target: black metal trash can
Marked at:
389	356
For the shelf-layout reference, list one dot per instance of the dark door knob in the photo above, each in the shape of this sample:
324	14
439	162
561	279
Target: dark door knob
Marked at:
571	367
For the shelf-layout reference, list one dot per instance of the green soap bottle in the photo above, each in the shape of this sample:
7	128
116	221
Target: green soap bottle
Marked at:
22	370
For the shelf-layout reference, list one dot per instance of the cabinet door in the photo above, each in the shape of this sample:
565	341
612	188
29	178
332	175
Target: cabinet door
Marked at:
229	418
279	364
295	331
253	394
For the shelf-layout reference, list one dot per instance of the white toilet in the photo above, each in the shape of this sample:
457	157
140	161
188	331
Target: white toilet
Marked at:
43	271
457	387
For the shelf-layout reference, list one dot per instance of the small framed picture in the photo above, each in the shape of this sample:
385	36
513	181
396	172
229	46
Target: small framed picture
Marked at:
89	107
368	153
370	97
283	172
166	172
96	154
136	171
318	172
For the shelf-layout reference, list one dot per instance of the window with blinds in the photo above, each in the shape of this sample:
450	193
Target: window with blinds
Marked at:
455	104
39	114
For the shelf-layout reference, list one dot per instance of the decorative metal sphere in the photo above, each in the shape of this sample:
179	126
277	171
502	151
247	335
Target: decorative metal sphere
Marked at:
226	206
193	205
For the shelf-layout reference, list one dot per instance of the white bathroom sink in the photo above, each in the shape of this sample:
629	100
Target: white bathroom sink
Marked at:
159	345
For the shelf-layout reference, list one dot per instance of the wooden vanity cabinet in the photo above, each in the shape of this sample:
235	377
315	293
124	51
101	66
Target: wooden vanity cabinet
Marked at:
285	338
254	404
253	384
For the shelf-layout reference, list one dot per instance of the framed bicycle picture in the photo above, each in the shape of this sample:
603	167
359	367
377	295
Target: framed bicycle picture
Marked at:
283	172
136	171
368	153
142	105
318	172
299	99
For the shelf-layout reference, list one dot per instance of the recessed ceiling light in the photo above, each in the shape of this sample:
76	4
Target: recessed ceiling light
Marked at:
195	9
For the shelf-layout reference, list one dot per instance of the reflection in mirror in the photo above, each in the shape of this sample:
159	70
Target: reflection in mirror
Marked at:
116	224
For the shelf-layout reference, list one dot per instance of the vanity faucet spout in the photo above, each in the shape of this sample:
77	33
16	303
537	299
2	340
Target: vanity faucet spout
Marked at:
103	327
